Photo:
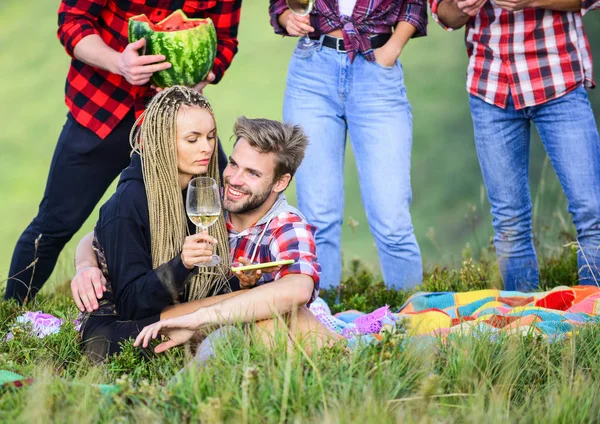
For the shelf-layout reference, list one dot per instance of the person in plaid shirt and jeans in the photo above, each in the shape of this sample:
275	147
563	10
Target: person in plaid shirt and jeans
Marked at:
107	86
530	62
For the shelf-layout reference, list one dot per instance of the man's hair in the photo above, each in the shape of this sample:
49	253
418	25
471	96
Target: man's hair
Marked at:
287	141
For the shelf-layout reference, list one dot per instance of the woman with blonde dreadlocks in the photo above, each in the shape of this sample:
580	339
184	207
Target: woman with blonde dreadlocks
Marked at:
144	243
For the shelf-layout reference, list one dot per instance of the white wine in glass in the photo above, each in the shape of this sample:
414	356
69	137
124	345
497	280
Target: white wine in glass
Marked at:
302	8
203	219
203	207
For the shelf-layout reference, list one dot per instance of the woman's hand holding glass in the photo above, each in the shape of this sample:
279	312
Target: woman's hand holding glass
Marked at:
299	22
198	249
296	25
203	206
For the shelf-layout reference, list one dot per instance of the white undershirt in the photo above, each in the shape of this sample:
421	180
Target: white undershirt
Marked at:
346	7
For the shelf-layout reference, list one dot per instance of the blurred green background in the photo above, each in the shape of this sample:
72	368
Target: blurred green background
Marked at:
449	208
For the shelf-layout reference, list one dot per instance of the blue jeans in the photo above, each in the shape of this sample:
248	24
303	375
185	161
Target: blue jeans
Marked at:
329	97
570	136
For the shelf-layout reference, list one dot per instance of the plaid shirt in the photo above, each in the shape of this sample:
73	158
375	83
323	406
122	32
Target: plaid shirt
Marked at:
281	234
534	55
98	99
370	17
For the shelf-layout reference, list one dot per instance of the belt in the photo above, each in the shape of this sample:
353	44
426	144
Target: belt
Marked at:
338	43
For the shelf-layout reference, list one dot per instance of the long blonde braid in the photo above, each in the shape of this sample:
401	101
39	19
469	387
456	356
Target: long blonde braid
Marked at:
154	139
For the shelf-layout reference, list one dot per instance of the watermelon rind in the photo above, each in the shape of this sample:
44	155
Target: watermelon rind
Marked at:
191	52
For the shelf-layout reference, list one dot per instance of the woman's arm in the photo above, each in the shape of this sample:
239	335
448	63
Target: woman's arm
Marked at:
390	51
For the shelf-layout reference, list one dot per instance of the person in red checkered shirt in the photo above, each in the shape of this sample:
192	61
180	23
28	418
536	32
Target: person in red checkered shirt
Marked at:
530	63
107	85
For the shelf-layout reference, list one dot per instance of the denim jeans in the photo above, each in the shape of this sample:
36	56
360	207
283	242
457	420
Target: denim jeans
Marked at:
570	136
330	97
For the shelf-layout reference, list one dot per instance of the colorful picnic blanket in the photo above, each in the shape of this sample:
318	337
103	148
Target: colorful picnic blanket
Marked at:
552	314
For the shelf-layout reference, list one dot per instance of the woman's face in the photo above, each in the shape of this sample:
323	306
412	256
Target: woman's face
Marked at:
196	138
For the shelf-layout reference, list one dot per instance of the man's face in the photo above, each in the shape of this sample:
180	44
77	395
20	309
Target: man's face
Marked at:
248	178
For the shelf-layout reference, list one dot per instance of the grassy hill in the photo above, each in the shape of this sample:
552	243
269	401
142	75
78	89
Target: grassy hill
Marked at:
449	207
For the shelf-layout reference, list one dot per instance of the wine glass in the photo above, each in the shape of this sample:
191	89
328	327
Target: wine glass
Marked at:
302	8
203	206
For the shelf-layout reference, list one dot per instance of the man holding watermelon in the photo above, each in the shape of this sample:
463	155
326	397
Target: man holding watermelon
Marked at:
107	85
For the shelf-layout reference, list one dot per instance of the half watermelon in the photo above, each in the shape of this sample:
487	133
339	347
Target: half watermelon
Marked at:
190	45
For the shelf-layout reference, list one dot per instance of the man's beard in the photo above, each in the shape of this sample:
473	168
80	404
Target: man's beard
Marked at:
253	201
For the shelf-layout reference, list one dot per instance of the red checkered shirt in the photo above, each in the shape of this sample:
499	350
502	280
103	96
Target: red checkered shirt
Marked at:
533	55
281	234
98	99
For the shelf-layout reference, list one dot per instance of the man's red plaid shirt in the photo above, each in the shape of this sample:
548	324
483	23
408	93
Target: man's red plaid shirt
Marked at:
279	235
98	99
533	55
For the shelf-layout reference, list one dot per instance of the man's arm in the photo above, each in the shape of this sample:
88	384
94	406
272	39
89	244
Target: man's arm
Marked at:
589	5
556	5
226	18
454	14
257	304
451	16
262	302
78	33
387	54
89	284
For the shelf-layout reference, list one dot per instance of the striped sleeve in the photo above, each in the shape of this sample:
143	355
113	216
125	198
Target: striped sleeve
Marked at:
276	8
435	4
415	13
589	5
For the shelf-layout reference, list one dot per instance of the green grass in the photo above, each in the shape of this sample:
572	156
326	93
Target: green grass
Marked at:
467	379
449	207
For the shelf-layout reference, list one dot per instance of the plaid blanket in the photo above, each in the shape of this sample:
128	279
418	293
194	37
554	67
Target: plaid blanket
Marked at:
551	314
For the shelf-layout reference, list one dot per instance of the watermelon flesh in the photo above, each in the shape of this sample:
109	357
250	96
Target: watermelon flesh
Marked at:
190	45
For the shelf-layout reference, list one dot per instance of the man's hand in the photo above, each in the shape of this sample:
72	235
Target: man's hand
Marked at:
197	248
295	25
178	330
87	287
248	279
200	86
469	7
137	69
513	5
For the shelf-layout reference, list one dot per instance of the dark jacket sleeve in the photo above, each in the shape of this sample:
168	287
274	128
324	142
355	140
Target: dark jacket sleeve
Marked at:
139	290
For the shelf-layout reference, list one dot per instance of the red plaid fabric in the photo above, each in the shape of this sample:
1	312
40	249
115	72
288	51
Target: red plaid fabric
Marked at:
533	55
98	99
286	236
